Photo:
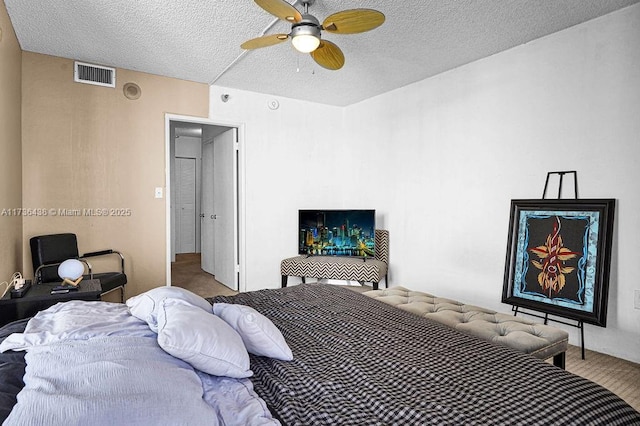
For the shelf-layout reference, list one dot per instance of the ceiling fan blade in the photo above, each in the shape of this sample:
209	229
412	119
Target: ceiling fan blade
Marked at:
353	21
281	9
264	41
328	56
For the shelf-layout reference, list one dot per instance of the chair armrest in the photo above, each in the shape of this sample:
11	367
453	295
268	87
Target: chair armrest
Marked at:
105	252
97	253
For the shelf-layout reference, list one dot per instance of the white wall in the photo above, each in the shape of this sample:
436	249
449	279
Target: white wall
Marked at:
294	157
441	159
462	144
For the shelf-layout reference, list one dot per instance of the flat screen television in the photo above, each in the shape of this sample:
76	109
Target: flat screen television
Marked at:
337	233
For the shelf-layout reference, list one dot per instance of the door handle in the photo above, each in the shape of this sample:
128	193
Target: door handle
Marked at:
214	216
202	215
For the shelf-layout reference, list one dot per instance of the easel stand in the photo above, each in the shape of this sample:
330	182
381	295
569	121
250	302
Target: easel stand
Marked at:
546	318
561	174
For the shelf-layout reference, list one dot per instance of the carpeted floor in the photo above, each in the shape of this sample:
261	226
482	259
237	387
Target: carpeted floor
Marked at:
186	273
620	376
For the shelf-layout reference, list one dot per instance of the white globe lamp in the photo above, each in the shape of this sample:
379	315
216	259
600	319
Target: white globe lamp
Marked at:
71	271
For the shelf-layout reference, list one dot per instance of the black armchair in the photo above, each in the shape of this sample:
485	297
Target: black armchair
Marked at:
49	251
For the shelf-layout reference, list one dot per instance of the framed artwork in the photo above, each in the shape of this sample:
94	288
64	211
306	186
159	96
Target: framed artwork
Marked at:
559	257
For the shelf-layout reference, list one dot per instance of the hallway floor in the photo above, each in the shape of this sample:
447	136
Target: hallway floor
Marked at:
187	273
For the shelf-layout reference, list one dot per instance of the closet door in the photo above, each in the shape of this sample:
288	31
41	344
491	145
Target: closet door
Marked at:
186	205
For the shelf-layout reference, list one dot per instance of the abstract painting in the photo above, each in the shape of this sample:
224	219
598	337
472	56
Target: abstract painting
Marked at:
559	256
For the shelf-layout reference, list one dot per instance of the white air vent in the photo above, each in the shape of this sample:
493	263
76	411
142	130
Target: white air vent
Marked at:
94	74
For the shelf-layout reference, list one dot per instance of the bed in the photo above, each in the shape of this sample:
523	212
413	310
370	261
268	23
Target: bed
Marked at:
356	361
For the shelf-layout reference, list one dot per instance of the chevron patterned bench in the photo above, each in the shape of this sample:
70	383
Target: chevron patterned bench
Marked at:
341	268
538	340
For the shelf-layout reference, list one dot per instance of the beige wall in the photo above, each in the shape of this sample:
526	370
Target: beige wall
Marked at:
89	147
10	149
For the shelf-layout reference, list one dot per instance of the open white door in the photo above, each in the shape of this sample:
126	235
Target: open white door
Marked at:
225	193
207	239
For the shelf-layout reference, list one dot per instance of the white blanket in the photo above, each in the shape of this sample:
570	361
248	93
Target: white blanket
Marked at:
93	363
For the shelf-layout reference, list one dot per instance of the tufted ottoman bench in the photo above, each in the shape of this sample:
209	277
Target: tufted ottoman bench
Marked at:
539	340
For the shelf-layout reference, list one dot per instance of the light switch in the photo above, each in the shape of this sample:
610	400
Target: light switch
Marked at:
159	192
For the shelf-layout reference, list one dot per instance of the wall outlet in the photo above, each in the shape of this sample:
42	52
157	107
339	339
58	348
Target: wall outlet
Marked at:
636	299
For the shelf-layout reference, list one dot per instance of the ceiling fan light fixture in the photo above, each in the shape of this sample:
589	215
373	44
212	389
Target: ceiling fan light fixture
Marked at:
305	43
305	36
306	30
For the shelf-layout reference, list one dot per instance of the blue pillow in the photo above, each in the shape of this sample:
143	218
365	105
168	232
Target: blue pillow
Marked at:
201	339
259	334
145	306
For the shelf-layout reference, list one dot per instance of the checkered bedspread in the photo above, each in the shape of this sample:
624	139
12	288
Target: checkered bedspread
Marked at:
358	361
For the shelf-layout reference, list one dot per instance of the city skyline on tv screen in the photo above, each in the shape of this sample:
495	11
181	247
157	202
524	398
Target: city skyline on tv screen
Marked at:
337	233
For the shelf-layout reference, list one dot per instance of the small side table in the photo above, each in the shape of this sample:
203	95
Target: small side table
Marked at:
39	297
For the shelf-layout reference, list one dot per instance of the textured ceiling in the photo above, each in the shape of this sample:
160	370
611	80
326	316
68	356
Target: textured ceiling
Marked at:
199	40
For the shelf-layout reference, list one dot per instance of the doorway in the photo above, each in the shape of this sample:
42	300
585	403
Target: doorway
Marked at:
204	199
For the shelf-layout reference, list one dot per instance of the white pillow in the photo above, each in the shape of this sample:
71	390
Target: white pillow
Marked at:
145	306
201	339
259	334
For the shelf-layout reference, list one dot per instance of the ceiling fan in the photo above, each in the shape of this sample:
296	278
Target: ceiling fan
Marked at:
306	30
